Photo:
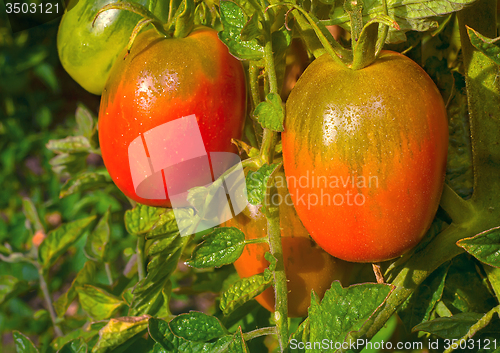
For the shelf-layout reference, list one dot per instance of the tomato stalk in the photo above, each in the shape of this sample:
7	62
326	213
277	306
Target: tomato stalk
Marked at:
264	331
140	257
267	150
48	301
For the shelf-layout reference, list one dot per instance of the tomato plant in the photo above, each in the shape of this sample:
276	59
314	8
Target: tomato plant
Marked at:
88	49
371	145
307	266
84	268
164	79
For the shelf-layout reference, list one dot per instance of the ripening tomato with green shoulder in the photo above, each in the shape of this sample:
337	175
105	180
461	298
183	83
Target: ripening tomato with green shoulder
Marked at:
365	155
162	80
87	50
307	266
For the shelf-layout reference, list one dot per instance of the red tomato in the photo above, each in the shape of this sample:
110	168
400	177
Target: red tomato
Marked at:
365	155
307	266
162	80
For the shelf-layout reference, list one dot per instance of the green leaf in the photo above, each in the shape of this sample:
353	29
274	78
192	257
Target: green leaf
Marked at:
23	343
60	239
141	219
221	247
85	181
418	307
69	163
301	335
184	20
196	326
252	29
270	114
46	73
452	327
152	294
96	247
257	183
485	246
74	346
98	303
85	121
119	331
11	286
166	225
160	331
86	333
242	291
85	275
344	311
465	289
234	19
70	144
487	46
31	214
410	15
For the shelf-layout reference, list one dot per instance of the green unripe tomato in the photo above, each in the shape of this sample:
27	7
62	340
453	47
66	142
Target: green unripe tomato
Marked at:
88	52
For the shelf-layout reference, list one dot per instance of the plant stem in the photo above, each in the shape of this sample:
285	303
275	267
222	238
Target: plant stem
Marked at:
456	207
264	331
269	140
108	273
280	282
48	301
140	258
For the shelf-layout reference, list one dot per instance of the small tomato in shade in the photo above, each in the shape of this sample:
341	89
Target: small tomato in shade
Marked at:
307	266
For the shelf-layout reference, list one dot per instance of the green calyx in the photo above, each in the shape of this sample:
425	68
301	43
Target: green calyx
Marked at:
180	21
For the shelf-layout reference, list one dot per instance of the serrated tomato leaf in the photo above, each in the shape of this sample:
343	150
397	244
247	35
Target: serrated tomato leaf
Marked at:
98	303
70	144
484	246
23	343
60	239
160	331
418	307
75	346
85	275
141	219
96	247
196	326
270	113
120	330
242	291
257	183
410	15
488	46
11	286
152	294
233	20
221	247
344	311
85	181
452	327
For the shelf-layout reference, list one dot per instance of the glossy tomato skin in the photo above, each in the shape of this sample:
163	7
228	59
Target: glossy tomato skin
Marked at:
87	52
307	266
164	79
365	155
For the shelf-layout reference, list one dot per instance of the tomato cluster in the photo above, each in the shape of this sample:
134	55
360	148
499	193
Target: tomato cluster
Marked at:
364	151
